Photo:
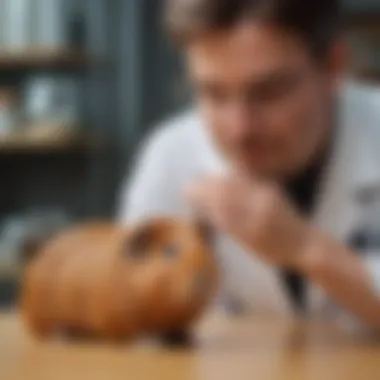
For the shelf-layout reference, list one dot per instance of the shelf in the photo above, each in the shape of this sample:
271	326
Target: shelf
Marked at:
42	58
26	144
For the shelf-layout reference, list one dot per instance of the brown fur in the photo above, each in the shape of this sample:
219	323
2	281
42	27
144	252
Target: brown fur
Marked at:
106	281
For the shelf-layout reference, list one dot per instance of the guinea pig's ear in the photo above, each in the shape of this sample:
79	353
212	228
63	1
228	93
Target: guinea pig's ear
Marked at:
140	240
205	231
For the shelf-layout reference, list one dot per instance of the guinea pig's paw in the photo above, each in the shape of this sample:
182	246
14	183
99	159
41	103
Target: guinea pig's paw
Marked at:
41	334
79	335
60	335
177	339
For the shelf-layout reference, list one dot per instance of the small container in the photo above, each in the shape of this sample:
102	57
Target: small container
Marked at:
7	112
12	233
2	24
67	102
50	23
17	23
40	94
18	233
53	102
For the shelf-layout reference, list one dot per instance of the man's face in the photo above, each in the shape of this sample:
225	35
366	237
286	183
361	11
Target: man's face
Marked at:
265	99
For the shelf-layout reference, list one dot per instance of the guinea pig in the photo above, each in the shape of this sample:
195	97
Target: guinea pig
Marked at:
102	280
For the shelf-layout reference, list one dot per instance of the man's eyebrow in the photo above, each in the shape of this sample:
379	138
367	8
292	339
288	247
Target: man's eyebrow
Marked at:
273	77
256	81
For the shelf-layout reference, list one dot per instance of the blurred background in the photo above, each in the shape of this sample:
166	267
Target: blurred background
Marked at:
81	83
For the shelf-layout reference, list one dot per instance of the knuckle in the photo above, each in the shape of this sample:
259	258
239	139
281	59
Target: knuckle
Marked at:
270	201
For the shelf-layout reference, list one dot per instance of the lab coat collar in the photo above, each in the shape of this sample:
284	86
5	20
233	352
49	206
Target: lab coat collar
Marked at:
352	175
358	138
352	178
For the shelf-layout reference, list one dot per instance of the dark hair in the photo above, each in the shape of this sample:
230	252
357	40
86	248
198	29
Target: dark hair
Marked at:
316	22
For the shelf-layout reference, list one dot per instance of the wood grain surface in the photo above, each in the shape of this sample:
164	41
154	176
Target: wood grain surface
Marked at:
237	349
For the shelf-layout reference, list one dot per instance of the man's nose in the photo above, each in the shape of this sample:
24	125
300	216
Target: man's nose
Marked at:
242	120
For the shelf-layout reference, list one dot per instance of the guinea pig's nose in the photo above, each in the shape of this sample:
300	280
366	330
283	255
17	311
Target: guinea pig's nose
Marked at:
154	275
160	277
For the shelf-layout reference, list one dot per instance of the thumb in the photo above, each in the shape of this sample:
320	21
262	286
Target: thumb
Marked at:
200	191
193	193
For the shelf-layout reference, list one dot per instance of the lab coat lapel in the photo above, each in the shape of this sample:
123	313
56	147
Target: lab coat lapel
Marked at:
351	177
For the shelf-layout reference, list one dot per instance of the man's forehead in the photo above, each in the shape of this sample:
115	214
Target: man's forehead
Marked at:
244	52
250	78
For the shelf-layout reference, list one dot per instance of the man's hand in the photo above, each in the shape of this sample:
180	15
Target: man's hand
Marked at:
256	215
260	217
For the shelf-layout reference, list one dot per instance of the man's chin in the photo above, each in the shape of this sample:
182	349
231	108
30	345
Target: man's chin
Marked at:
263	172
260	169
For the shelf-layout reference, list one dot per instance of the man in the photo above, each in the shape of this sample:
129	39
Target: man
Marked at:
280	156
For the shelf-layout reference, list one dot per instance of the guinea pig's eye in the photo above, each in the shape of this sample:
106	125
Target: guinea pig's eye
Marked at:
170	251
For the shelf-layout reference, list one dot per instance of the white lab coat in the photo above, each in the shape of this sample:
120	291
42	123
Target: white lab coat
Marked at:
181	150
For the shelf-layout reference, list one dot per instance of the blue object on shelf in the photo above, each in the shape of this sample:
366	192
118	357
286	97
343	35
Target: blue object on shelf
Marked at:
50	28
16	24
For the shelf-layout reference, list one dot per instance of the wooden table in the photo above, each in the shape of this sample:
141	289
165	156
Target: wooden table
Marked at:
249	348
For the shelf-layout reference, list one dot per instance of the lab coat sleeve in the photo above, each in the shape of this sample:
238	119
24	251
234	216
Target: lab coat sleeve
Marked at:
152	188
321	305
348	320
372	263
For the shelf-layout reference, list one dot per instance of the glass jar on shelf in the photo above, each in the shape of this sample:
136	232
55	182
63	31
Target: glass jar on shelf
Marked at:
8	113
51	107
